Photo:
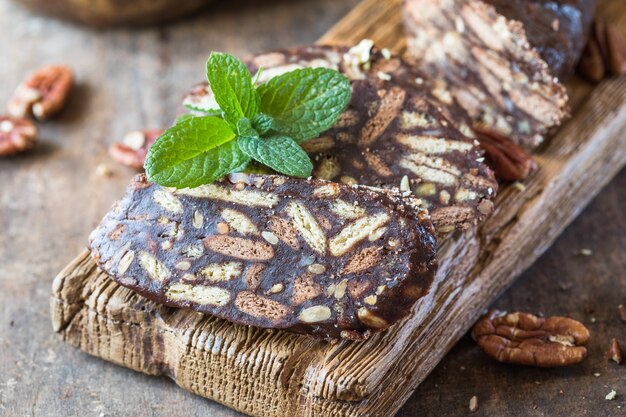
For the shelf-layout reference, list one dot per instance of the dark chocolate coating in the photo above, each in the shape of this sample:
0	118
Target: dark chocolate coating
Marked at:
558	29
273	252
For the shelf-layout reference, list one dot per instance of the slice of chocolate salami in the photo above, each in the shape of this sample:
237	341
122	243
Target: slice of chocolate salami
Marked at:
313	257
486	63
394	133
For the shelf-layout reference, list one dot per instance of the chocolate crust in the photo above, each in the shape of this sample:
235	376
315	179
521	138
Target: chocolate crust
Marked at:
327	259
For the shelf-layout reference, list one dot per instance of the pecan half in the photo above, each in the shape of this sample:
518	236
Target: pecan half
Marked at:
509	161
591	65
525	339
616	48
43	94
133	148
604	53
16	135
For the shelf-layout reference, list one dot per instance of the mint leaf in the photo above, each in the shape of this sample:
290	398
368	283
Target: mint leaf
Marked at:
244	128
231	83
194	151
262	123
183	117
305	102
280	153
257	75
204	111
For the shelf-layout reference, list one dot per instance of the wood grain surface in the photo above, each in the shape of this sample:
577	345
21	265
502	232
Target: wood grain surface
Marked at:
50	199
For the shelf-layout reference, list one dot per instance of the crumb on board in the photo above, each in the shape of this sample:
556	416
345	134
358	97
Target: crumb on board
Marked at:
103	171
473	404
611	395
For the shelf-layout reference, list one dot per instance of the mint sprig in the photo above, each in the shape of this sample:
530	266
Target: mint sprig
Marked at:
265	124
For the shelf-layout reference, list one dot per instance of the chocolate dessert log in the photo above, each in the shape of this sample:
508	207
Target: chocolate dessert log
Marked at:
394	133
310	256
489	66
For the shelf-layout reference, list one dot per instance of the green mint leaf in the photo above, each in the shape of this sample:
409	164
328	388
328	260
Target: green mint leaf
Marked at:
183	117
204	111
262	123
305	102
207	167
193	152
231	83
244	128
256	76
280	153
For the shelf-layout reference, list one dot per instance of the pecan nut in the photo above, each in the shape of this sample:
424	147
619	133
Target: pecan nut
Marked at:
615	352
133	148
43	94
616	48
525	339
508	161
16	135
604	53
591	65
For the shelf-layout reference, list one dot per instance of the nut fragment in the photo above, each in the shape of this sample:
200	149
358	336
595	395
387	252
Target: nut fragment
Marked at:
621	310
269	237
473	404
133	148
509	161
43	94
315	314
615	352
525	339
16	135
317	269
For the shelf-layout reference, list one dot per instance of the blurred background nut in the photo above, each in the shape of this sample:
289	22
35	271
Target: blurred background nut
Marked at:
104	13
133	148
43	94
615	352
525	339
16	135
604	54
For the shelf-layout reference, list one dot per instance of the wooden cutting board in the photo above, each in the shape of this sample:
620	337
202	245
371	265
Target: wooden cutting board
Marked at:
275	373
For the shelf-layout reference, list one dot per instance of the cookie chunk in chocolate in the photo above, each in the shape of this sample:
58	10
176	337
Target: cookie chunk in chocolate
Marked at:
327	259
484	62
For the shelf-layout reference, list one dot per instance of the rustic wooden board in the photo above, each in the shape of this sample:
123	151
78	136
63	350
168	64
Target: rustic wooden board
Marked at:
274	373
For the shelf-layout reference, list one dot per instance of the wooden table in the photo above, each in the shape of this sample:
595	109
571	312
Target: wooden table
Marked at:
51	198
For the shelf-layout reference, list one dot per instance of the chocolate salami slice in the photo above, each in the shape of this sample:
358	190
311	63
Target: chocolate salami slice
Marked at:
394	133
312	256
488	66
